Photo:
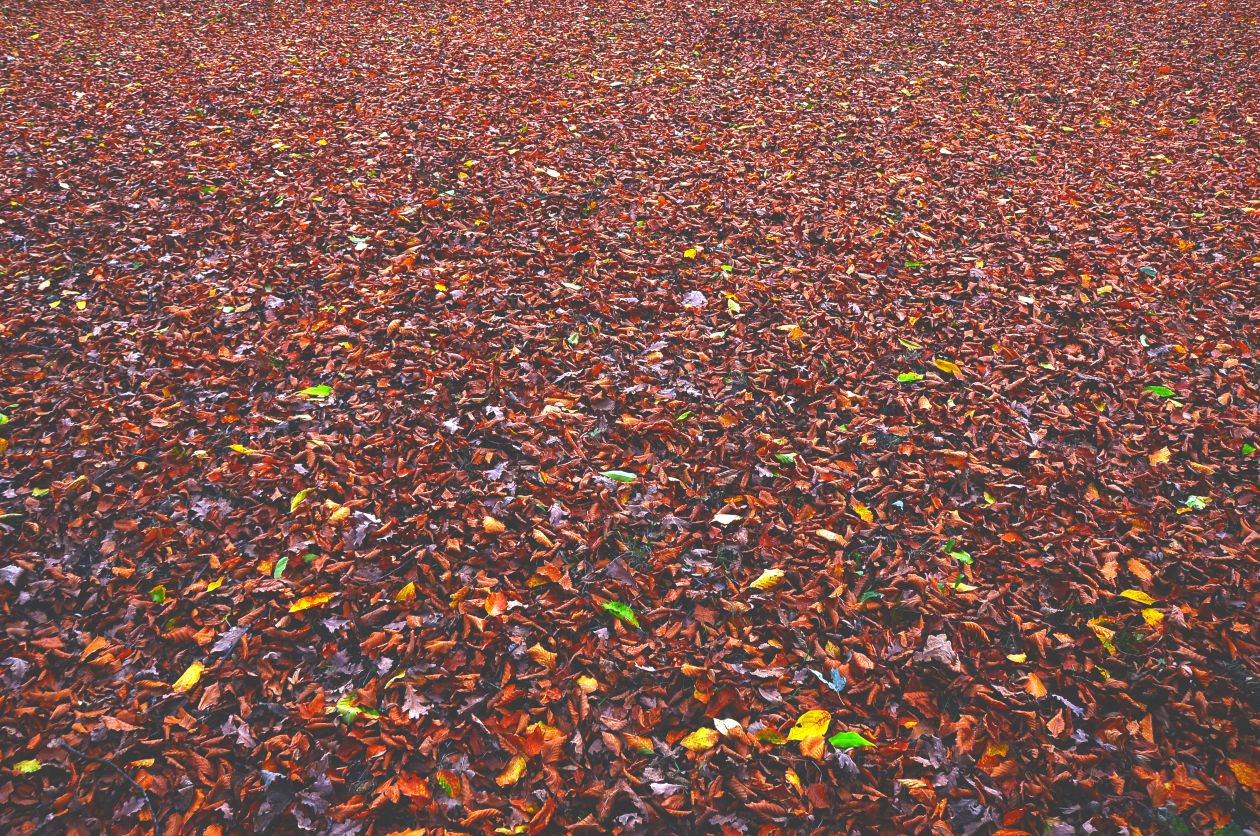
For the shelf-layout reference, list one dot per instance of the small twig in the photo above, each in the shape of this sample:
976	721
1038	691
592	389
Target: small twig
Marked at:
148	802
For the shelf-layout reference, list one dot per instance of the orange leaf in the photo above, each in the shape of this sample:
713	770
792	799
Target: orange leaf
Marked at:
310	601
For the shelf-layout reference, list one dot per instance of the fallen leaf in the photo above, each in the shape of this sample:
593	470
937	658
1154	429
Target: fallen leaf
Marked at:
188	678
700	740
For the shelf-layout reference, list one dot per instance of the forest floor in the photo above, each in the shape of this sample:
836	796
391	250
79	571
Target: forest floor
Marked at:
538	416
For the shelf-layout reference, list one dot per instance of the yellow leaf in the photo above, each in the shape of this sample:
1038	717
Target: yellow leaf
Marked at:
700	739
214	584
515	769
1017	658
189	678
910	344
947	366
492	526
793	779
811	724
588	684
1152	616
863	512
691	252
310	601
407	593
298	498
1139	596
768	580
242	449
1160	456
1104	634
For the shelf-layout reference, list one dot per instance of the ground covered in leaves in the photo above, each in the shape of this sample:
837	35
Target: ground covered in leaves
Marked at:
531	416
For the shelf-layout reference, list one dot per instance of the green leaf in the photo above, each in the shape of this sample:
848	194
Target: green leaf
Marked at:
622	612
38	492
320	391
1248	449
961	556
281	565
771	736
785	458
1149	272
298	499
909	377
848	740
350	712
683	416
1197	503
1162	391
4	419
869	595
618	475
158	593
27	767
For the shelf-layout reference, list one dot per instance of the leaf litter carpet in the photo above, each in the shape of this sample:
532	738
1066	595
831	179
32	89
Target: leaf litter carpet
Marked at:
534	417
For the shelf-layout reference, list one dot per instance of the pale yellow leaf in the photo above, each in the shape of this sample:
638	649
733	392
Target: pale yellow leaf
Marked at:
189	678
811	724
1139	596
768	580
700	739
